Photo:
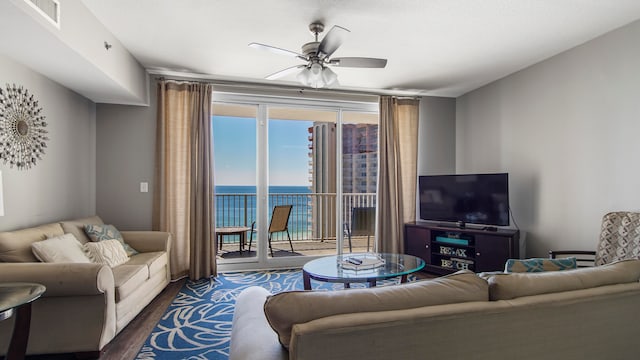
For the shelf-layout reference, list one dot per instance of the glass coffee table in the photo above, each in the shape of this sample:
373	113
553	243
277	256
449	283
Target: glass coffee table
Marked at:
329	269
16	298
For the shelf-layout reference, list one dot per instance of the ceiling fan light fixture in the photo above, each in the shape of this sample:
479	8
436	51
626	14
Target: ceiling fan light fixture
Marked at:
317	76
316	69
304	77
317	56
329	77
317	82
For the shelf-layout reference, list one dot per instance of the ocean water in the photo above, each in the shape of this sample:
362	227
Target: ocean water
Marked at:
233	189
236	206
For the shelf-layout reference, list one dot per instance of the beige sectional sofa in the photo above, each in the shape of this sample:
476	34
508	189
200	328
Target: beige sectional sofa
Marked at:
589	313
85	304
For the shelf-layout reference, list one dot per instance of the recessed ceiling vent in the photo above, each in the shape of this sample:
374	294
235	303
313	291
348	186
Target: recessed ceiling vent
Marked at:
49	9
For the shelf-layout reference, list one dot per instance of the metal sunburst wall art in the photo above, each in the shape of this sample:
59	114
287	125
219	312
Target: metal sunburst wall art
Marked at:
23	137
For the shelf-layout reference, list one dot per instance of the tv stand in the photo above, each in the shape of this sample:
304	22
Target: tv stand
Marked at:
447	248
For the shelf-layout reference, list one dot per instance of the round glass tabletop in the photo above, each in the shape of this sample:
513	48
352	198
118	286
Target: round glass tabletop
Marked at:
333	269
15	294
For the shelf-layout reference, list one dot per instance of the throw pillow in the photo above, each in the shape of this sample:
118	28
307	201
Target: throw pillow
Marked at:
286	309
110	252
60	249
540	264
107	232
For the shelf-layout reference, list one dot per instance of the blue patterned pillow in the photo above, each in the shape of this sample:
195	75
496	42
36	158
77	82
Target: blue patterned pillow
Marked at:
107	232
540	264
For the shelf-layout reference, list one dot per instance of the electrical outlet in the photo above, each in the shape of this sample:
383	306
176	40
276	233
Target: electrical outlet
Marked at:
144	187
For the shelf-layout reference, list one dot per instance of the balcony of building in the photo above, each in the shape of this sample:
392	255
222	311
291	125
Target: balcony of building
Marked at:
312	223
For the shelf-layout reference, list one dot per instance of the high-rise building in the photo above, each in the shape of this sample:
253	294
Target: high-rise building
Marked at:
359	158
359	168
322	171
322	154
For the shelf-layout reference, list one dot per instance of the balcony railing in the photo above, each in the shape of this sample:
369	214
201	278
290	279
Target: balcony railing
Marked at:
312	216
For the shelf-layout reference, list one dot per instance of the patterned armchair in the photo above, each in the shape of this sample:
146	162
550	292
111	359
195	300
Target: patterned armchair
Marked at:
619	239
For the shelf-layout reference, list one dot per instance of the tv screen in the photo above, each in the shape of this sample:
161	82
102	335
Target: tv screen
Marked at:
472	198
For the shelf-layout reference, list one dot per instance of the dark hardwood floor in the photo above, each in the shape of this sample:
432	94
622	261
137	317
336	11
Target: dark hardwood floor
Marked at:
127	343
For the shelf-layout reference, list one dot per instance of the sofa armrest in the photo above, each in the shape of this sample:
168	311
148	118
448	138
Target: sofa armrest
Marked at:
252	338
147	241
61	279
77	312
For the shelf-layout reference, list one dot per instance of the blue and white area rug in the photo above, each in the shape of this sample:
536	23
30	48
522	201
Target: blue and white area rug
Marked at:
197	324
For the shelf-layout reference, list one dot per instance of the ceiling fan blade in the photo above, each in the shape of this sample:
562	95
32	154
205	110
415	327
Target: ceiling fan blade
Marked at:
277	50
332	41
284	72
358	62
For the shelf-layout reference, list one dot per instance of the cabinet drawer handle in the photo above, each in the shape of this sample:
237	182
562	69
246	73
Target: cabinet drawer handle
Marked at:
477	254
426	246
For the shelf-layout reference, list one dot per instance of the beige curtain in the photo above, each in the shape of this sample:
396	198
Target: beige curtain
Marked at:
183	198
398	171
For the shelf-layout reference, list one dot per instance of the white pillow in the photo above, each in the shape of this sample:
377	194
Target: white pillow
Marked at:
60	249
110	252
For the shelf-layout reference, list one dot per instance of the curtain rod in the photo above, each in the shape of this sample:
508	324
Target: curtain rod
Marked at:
281	87
162	78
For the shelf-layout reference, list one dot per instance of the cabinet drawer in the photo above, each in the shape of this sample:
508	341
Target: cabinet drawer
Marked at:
418	243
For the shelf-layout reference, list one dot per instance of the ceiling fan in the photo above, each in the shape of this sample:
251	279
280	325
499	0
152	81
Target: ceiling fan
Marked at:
317	57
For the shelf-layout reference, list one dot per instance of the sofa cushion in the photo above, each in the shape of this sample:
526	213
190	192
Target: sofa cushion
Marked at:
155	261
60	249
289	308
15	246
128	278
109	252
514	285
76	227
540	264
101	232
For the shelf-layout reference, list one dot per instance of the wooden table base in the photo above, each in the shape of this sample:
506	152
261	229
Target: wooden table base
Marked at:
20	337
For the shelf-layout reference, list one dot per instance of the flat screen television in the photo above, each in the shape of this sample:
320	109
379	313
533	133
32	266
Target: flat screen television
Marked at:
465	199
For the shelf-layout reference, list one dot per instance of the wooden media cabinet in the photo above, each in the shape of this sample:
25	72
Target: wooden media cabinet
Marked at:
447	249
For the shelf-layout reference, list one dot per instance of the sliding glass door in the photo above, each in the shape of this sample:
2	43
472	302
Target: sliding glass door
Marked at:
302	168
359	179
292	172
235	164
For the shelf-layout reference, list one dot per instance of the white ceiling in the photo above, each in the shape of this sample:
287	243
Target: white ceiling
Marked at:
433	47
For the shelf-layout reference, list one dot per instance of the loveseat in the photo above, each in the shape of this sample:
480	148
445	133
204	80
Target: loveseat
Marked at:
85	304
588	313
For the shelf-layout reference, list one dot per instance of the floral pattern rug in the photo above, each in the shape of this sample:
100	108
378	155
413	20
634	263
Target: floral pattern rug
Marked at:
197	324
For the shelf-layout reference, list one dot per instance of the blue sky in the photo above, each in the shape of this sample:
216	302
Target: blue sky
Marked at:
234	149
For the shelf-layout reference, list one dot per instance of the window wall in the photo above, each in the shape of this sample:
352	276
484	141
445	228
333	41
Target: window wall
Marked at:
317	159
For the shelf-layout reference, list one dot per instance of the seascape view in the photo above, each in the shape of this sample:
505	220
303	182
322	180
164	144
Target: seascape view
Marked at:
236	206
299	159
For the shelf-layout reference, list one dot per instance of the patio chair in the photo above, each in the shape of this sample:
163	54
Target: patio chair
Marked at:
279	222
363	222
619	240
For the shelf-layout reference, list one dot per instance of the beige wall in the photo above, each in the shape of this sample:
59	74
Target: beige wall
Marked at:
126	153
566	130
436	136
61	185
